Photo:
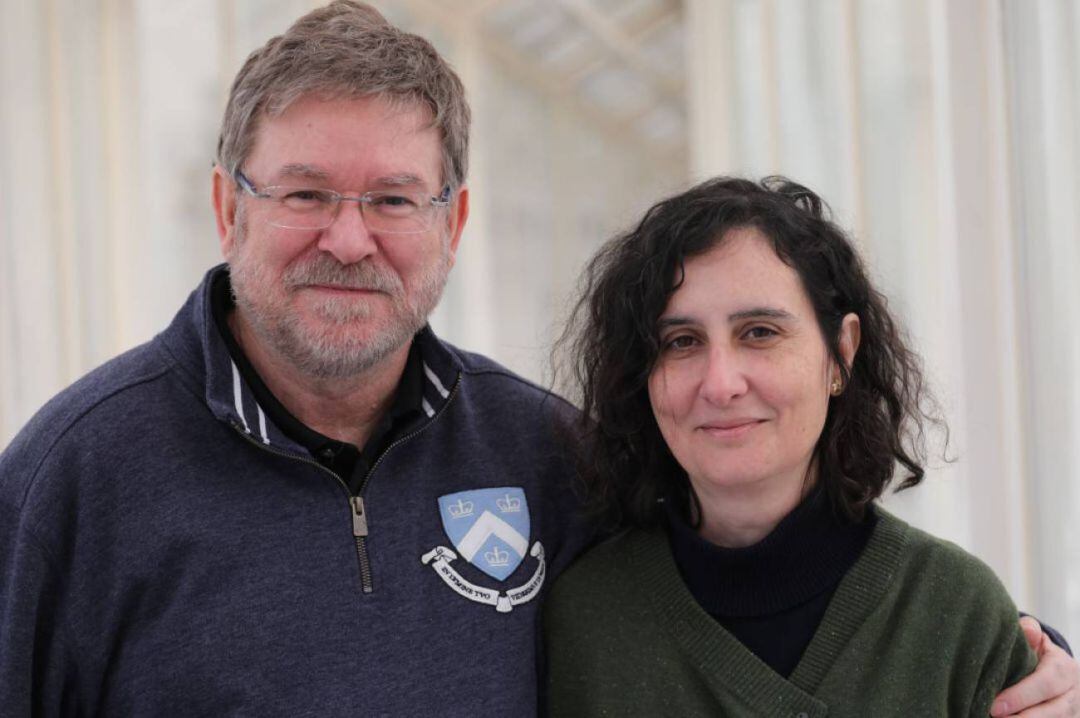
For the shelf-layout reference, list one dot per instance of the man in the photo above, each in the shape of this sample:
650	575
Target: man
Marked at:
296	500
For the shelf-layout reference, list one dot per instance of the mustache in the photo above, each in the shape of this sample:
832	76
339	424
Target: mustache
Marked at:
325	270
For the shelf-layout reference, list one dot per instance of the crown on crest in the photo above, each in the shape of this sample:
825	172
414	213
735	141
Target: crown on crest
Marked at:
509	504
495	557
460	509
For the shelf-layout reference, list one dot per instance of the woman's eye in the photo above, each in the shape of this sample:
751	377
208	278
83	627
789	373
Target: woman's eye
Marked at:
759	333
684	341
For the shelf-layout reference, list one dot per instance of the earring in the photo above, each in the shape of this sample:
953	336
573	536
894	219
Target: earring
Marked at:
836	387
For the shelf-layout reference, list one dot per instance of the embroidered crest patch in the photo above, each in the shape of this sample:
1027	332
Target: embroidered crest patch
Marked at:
490	529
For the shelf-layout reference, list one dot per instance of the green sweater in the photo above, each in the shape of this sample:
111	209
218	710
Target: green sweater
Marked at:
916	628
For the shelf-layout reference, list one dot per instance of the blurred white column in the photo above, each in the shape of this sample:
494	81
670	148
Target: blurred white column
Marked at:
1044	62
40	336
977	247
467	314
178	55
710	59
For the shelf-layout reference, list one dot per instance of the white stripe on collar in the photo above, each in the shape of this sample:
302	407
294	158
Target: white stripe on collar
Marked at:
435	381
427	408
237	400
262	425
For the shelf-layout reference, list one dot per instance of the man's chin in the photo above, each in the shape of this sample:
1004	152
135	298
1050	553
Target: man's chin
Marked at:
342	349
340	307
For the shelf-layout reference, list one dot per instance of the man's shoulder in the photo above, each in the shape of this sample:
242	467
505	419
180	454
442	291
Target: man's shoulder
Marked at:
127	379
484	374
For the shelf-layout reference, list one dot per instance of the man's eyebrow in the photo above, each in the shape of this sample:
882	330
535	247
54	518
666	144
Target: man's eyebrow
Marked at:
303	171
399	180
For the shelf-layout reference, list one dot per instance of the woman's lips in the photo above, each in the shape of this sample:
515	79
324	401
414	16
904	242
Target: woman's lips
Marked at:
731	428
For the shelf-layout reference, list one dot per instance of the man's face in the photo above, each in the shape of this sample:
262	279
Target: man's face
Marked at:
334	302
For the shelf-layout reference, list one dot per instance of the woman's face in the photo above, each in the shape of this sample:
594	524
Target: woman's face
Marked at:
741	387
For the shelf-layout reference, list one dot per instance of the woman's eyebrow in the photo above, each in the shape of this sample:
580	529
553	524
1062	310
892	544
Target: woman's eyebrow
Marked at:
760	313
676	320
673	321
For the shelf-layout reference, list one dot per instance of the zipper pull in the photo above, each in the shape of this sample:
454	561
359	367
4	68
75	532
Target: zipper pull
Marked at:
359	518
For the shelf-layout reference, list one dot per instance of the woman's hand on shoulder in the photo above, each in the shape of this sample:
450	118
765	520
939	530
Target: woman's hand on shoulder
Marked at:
1051	691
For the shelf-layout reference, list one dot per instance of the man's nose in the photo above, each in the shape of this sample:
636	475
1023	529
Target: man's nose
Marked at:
725	377
347	237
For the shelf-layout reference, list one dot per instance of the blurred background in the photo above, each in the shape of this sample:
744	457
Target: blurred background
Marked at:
944	133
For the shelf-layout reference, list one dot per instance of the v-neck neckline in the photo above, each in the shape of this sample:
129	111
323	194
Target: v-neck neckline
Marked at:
719	655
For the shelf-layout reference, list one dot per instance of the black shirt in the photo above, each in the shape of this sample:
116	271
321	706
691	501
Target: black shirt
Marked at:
772	595
348	461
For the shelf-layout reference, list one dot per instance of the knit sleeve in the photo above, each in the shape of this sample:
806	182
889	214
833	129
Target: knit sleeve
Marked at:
1008	658
566	647
36	673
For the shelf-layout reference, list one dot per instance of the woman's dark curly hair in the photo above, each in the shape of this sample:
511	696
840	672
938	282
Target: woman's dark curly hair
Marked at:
612	345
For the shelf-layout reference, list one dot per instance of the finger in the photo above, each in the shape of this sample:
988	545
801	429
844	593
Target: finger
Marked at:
1033	632
1066	706
1054	677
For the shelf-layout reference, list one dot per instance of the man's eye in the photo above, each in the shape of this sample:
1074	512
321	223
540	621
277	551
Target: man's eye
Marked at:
305	198
393	201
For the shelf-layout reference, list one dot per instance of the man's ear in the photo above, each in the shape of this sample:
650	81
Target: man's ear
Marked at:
224	199
850	334
456	217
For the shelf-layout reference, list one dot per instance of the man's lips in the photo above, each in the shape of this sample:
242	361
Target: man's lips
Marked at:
340	289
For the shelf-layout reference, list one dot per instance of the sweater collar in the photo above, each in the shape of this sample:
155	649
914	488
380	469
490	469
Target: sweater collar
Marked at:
807	553
231	399
646	560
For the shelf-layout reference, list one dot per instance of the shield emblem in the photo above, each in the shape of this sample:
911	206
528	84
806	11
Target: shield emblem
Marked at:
488	527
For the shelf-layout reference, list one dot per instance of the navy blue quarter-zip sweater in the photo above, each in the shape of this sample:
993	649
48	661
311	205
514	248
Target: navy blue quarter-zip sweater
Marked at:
165	549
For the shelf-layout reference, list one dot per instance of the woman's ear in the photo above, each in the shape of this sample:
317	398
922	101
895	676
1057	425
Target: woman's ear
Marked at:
850	333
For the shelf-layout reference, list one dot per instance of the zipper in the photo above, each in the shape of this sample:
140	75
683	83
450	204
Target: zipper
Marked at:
356	503
360	532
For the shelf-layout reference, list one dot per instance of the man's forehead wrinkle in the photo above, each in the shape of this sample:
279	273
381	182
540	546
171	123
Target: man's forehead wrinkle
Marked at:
306	171
301	170
398	180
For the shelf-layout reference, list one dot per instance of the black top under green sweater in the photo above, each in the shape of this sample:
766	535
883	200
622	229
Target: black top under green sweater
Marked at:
772	595
916	627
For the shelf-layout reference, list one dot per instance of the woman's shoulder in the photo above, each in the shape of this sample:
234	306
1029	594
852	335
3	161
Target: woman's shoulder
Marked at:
608	566
943	567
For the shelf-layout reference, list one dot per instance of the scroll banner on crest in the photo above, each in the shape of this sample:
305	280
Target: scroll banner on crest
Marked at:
440	557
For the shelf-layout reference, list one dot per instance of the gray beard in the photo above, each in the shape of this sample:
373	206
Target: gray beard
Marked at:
348	341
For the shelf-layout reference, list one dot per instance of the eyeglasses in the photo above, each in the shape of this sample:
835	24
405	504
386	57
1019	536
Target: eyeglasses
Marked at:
398	211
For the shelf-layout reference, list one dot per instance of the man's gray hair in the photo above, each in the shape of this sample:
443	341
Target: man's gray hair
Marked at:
345	50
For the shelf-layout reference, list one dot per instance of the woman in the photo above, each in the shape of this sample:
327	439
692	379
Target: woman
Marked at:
748	397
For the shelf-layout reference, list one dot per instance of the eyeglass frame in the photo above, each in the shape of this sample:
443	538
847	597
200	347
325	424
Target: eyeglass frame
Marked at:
440	202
